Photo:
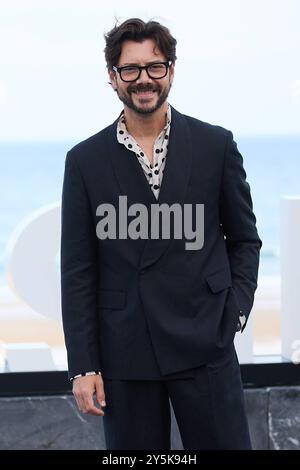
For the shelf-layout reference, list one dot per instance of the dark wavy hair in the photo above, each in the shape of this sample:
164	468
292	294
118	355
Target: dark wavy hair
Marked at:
137	30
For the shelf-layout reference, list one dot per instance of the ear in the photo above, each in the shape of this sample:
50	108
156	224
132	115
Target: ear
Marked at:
112	78
172	70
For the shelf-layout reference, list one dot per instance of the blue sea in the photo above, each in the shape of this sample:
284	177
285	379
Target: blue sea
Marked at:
31	176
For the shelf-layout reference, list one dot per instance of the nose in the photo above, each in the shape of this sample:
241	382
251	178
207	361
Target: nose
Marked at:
144	77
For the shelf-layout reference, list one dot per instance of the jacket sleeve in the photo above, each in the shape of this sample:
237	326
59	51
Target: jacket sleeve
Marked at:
239	227
78	258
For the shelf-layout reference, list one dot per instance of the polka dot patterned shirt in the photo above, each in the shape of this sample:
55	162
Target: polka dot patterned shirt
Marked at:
154	172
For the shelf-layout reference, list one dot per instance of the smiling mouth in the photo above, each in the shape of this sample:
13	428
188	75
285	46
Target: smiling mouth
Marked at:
145	93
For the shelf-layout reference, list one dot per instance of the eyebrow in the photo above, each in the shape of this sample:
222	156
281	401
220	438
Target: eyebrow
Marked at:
148	63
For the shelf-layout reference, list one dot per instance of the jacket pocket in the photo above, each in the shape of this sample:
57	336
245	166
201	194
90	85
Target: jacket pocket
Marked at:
219	280
112	298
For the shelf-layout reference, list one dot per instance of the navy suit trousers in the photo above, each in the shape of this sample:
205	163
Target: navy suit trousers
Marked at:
209	409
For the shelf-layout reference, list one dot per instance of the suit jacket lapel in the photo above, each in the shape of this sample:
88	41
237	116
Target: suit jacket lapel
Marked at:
128	171
133	182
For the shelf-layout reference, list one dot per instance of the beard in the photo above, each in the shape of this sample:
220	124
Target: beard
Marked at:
126	98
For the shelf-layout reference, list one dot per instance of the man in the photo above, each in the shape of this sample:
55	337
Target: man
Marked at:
146	319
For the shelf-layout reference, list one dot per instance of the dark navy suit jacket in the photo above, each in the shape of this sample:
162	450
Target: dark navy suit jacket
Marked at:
147	308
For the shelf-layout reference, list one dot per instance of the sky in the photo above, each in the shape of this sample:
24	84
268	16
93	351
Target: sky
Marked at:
237	65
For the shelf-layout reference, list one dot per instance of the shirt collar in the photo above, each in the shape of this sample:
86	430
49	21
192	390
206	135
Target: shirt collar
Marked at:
122	121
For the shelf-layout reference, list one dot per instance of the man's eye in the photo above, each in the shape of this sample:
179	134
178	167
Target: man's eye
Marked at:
157	66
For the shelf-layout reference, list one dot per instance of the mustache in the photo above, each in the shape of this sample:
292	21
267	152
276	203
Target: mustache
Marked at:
143	88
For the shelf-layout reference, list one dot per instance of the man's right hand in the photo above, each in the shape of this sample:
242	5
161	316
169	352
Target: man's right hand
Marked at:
83	391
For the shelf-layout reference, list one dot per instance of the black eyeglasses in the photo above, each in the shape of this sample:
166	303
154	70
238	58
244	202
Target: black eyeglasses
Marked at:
130	73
